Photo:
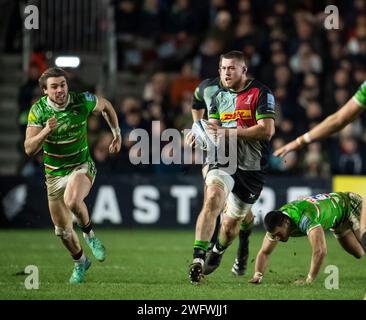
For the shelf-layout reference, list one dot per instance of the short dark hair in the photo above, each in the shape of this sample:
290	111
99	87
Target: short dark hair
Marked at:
234	54
49	73
274	219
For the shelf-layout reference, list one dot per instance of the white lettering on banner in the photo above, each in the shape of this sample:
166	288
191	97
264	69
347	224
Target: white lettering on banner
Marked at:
106	206
296	193
146	206
266	202
183	195
147	211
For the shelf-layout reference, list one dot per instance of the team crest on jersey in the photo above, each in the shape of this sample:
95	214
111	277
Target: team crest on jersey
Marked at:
249	99
89	96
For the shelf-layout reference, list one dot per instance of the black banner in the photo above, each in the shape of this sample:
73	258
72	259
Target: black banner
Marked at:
140	201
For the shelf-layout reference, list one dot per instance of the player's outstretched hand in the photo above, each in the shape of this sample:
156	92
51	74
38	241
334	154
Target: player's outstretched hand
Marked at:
115	146
257	278
291	146
51	124
190	139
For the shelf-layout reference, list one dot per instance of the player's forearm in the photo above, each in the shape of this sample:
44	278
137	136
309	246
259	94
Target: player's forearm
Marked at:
326	128
197	114
333	123
34	144
110	116
261	262
316	262
257	132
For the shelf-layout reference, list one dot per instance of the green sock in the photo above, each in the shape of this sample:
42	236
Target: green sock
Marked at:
199	244
200	248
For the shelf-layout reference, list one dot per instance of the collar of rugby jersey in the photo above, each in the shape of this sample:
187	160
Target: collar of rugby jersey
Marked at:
55	107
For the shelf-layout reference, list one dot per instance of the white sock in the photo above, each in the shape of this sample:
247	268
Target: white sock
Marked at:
88	235
214	249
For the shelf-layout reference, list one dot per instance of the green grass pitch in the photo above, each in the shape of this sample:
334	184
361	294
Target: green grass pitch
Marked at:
153	264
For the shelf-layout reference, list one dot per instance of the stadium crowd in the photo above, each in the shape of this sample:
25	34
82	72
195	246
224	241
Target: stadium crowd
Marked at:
177	43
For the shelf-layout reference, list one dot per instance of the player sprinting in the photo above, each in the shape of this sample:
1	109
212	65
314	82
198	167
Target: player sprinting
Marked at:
334	123
311	216
57	123
246	108
202	99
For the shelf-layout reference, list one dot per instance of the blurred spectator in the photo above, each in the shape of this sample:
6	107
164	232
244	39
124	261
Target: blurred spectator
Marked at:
101	155
222	30
278	165
94	128
315	163
349	159
184	83
27	93
34	167
306	60
38	57
207	60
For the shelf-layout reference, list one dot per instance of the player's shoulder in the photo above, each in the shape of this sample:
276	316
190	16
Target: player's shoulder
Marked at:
85	96
210	82
40	104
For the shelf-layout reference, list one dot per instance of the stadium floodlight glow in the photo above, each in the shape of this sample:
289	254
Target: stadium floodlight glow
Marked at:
67	61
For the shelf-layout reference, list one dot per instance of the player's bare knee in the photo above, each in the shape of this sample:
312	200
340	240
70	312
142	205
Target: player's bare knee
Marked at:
63	233
215	198
73	204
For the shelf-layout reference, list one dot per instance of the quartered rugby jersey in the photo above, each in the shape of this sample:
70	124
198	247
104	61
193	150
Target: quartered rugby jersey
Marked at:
243	109
67	146
327	210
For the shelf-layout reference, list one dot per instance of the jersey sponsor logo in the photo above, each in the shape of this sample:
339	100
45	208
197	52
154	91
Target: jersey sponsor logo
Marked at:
318	197
236	115
270	101
89	96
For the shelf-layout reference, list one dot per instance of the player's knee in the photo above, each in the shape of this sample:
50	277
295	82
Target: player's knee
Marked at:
63	233
73	204
214	197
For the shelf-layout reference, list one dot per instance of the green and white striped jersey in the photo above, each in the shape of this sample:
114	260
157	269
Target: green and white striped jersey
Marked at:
67	146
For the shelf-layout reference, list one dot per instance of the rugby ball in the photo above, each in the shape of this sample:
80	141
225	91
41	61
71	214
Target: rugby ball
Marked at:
203	138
